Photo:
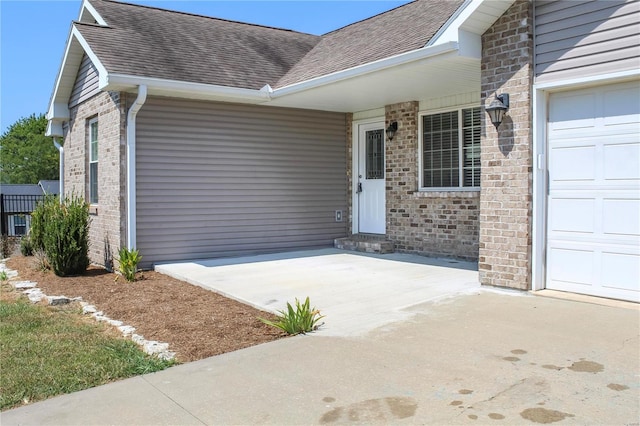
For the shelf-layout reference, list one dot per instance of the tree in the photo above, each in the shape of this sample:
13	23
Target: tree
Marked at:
26	154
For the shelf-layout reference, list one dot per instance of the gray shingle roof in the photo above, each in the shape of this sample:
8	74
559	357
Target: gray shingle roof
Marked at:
400	30
20	189
50	186
150	42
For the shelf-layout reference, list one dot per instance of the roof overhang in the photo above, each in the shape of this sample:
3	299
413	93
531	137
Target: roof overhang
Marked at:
432	71
76	48
448	65
420	74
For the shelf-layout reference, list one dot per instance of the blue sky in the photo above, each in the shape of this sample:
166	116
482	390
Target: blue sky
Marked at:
33	35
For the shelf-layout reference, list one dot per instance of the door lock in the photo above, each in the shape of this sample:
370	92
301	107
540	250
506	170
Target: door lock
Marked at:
359	187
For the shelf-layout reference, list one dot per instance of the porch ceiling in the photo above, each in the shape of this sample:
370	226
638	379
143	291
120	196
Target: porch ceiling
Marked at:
449	74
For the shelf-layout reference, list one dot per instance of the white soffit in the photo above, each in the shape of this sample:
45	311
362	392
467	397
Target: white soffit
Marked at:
444	76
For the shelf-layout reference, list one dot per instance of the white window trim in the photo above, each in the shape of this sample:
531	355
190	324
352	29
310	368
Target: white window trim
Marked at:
421	114
91	123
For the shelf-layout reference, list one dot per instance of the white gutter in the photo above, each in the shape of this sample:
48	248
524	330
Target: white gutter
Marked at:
131	165
379	65
164	86
61	174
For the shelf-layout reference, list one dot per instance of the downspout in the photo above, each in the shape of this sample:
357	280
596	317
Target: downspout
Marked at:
61	173
131	165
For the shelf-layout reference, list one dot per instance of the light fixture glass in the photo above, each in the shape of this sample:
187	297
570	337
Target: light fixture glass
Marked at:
497	108
391	130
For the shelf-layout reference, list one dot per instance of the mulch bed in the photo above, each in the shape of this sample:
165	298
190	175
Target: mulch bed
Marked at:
197	323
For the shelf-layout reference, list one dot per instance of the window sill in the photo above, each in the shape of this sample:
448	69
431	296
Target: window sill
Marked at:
93	209
448	193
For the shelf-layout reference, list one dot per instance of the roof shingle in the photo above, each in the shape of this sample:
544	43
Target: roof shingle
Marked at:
150	42
399	30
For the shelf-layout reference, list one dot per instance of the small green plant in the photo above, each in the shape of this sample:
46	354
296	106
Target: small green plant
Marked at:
303	319
4	277
26	248
129	260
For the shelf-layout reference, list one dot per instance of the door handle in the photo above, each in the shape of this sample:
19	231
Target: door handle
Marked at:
359	187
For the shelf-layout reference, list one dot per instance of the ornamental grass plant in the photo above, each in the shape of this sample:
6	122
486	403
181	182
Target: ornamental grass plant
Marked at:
303	319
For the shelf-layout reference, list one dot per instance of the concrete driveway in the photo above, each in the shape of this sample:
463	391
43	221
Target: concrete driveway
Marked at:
356	292
480	359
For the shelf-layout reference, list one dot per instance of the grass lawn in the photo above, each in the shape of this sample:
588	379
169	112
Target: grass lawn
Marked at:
47	352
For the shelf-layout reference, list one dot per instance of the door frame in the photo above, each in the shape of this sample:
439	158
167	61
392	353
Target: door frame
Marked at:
355	157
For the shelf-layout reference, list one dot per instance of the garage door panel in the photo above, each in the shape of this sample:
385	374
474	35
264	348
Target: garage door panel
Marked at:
620	271
573	163
570	112
621	217
573	215
621	106
571	266
622	161
593	217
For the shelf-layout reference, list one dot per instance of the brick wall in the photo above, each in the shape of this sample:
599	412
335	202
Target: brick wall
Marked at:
428	223
108	217
506	159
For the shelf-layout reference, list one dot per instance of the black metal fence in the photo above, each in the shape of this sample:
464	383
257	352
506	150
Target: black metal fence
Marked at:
18	206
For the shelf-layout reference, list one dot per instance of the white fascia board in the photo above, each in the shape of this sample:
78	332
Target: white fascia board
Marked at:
88	7
54	128
459	23
449	31
58	109
183	88
51	111
424	53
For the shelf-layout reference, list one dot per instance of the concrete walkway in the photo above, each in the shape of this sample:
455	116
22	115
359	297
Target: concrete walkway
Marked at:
481	358
356	292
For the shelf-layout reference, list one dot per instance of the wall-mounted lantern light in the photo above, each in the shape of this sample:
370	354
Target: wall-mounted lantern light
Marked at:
497	108
391	130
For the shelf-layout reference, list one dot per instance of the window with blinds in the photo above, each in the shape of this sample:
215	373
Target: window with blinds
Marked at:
451	149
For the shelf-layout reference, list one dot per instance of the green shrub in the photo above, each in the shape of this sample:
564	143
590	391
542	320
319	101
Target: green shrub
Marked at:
38	221
26	248
129	260
302	319
63	231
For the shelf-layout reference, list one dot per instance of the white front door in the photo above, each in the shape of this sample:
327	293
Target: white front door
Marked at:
593	230
369	179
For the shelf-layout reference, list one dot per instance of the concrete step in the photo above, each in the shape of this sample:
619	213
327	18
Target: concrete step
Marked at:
365	243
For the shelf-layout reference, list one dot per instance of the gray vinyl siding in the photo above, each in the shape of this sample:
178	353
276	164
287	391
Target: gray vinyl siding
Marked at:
86	84
217	180
583	38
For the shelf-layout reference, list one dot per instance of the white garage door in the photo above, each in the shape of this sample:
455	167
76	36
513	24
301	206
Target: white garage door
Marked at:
593	227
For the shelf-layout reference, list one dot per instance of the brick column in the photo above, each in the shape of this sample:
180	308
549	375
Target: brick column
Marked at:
506	185
401	171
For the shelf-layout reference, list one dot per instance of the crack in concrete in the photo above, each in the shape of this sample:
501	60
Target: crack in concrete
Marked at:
466	408
174	401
